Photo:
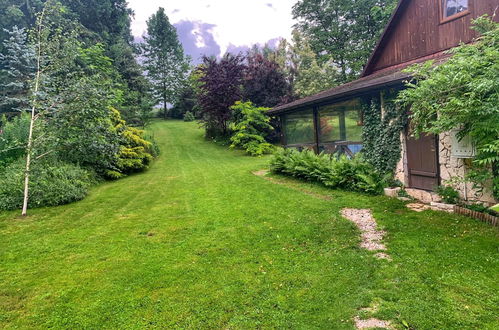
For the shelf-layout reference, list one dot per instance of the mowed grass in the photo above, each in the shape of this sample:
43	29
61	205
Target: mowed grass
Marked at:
198	241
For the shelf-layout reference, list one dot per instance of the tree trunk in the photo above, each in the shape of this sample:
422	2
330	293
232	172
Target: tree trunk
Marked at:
29	148
165	109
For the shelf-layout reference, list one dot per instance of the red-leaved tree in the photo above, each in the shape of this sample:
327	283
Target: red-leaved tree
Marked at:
264	83
221	86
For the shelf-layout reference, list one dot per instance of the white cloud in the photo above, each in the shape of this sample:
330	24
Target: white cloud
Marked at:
237	22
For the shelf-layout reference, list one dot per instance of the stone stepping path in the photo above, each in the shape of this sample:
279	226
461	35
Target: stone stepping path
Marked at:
371	236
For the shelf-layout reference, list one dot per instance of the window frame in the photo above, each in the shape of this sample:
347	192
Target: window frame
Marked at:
444	19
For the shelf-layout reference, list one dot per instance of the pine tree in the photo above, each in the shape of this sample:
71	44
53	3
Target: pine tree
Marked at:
18	68
164	61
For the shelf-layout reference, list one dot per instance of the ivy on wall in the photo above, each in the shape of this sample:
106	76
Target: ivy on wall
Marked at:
381	133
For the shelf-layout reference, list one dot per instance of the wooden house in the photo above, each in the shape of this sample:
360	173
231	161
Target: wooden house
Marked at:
419	30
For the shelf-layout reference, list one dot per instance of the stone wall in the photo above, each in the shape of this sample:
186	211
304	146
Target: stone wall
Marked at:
451	171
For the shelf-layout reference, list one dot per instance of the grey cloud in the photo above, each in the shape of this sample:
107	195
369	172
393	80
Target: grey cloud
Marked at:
233	49
189	32
269	5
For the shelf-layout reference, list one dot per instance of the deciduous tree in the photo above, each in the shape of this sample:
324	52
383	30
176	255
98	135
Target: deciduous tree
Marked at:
221	86
343	31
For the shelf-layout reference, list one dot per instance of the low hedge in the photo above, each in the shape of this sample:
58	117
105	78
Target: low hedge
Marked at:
51	183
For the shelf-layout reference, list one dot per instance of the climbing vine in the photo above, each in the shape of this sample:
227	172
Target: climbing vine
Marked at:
381	134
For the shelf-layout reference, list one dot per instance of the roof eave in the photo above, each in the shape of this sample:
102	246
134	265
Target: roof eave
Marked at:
337	97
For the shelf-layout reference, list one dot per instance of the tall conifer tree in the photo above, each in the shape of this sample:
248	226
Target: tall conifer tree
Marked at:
17	63
164	59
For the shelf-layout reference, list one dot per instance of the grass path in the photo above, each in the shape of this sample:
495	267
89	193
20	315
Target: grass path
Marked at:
198	241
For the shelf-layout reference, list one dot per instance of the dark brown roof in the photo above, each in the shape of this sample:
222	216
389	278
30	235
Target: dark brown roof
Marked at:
386	78
376	81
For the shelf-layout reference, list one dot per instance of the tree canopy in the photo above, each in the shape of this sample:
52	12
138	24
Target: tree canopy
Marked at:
343	31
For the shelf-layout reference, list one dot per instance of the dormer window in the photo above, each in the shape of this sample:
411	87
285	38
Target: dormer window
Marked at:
453	9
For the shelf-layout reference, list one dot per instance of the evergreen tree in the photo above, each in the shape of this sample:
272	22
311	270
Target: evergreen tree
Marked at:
164	61
17	63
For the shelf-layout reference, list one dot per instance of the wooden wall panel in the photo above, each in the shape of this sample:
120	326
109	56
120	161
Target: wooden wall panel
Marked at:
418	31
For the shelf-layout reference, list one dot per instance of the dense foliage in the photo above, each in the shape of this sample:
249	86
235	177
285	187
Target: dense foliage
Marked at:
462	93
249	129
343	31
341	172
221	82
101	21
13	138
164	59
383	123
17	61
188	116
70	128
135	152
53	183
302	68
264	83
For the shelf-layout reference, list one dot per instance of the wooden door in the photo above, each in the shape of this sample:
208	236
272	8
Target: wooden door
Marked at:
422	162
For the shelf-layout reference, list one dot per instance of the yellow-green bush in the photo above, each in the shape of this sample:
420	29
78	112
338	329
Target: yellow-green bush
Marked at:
135	152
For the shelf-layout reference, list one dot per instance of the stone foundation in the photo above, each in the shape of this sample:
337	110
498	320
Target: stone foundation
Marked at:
451	171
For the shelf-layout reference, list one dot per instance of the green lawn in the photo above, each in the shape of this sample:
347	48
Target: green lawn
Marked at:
198	241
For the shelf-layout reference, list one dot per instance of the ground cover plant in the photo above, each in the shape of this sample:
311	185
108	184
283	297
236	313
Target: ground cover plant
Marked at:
333	171
198	241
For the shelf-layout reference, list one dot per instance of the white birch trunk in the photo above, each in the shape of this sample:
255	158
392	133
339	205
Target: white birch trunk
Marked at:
29	148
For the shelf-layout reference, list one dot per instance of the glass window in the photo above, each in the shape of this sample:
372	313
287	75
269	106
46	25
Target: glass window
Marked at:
329	124
453	7
353	124
341	122
299	127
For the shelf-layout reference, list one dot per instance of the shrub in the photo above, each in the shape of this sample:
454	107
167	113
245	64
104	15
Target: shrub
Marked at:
51	183
188	116
448	194
13	138
250	128
338	172
134	151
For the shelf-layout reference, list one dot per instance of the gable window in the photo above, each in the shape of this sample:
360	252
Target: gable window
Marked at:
454	8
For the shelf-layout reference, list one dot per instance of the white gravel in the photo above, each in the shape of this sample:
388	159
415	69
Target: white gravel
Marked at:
371	236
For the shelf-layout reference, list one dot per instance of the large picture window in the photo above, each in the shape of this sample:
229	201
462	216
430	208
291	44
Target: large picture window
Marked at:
454	8
299	127
340	127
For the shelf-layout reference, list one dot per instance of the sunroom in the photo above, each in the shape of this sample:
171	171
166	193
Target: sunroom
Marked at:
335	127
332	121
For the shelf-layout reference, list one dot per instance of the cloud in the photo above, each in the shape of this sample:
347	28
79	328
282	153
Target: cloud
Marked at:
197	39
233	49
269	5
175	11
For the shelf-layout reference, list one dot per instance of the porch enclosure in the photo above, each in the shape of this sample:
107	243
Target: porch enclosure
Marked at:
335	127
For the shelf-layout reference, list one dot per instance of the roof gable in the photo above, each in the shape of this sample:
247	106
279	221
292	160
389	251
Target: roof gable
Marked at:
416	30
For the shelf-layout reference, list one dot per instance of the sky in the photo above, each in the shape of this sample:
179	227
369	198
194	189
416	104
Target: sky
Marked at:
213	27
